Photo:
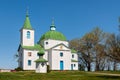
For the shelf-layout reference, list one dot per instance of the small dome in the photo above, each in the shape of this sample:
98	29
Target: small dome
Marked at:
55	35
41	51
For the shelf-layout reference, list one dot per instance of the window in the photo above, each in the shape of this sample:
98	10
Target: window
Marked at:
74	65
46	43
29	54
29	62
72	56
28	34
61	54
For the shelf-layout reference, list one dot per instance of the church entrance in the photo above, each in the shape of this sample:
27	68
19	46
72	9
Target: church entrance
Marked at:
61	65
71	66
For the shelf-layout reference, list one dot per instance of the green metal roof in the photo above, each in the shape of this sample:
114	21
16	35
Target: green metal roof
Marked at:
41	60
27	24
72	60
73	51
55	35
35	47
41	51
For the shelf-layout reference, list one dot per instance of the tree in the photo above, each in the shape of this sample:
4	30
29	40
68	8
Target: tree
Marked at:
113	49
113	45
83	47
75	44
100	57
99	38
91	48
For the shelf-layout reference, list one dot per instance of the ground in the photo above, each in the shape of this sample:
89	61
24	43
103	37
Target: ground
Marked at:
60	75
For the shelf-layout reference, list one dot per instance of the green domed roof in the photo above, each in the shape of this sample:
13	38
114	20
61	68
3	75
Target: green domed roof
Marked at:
52	34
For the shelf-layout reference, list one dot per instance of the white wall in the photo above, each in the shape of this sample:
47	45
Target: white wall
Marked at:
24	58
45	56
52	43
52	55
75	63
56	58
24	40
41	68
33	57
50	59
75	56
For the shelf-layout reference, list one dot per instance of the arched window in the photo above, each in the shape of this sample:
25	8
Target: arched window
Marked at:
61	54
72	56
29	62
28	34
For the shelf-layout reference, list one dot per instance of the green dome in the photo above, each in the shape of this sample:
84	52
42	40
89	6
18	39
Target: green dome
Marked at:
55	35
41	52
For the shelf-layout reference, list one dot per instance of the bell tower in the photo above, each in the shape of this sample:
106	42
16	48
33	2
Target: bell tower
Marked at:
27	33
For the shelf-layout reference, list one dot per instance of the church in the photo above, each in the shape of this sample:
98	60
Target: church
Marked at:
53	46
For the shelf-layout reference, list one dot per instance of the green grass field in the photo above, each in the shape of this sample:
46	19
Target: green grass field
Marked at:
56	75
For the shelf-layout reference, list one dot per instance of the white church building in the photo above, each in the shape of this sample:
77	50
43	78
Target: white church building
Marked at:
53	45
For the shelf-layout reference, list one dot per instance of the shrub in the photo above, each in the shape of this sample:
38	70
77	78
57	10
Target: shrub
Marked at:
18	69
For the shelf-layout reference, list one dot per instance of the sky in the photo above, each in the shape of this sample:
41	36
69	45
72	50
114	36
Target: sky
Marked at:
73	18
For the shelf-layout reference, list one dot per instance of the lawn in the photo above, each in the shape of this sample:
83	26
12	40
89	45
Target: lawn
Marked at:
55	75
111	72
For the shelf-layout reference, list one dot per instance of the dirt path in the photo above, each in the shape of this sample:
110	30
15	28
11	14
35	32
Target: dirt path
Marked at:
104	73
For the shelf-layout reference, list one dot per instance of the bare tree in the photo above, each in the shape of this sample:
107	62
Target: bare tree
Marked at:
91	48
113	49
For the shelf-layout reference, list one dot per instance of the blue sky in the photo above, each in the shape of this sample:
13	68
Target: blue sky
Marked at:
73	18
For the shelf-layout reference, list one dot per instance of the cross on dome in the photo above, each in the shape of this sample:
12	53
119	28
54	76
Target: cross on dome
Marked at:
52	27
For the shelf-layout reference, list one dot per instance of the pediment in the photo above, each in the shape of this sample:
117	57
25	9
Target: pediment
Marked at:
60	47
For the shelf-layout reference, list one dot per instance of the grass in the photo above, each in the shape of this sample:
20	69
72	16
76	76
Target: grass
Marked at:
111	72
55	75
